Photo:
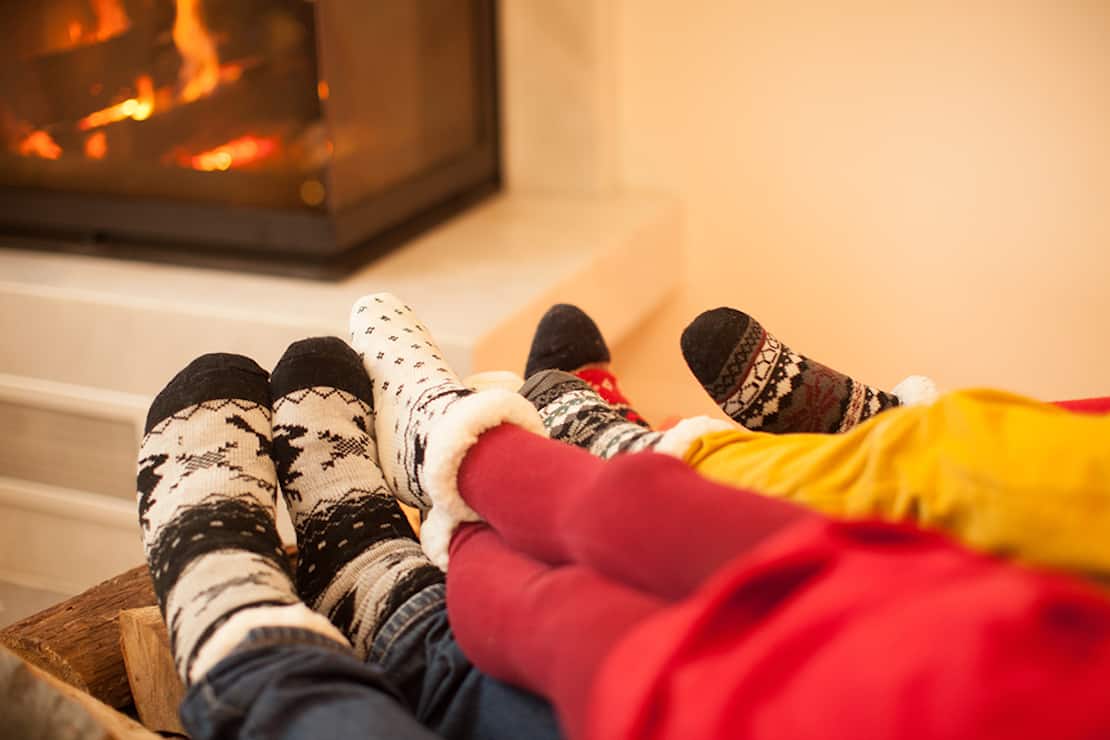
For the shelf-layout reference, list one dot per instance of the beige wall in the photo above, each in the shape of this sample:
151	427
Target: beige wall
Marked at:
891	187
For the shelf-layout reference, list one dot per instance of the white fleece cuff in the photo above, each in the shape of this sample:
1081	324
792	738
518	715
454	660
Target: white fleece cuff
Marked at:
916	390
678	439
448	443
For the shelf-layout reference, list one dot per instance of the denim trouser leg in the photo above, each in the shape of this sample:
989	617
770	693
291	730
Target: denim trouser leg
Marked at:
417	650
284	683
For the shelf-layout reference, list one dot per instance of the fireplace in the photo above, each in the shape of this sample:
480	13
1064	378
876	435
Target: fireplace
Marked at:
274	135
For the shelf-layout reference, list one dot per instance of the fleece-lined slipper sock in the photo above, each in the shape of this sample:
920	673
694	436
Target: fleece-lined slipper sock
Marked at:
574	413
567	339
766	386
426	419
207	493
359	558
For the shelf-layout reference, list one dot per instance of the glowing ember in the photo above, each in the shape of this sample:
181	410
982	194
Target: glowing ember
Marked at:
111	19
138	109
39	144
75	32
322	90
235	153
200	68
96	146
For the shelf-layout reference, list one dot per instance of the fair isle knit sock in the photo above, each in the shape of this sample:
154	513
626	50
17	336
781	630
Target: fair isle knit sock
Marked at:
567	339
766	386
359	558
574	413
206	494
426	419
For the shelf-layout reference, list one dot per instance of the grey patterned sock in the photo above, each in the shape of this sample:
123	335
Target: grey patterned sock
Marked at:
359	558
206	495
574	413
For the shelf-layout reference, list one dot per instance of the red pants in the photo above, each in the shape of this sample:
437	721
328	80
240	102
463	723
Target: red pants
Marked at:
582	560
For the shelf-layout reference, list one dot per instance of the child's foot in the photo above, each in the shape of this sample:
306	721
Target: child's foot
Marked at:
359	559
765	386
569	340
574	413
426	419
206	493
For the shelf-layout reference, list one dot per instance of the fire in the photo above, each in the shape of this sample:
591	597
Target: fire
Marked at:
235	153
200	68
39	144
139	108
111	19
96	146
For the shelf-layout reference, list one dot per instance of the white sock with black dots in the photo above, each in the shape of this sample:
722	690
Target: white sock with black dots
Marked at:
207	494
359	559
427	419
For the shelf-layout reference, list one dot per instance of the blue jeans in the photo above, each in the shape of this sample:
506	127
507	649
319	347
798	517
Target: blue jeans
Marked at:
294	684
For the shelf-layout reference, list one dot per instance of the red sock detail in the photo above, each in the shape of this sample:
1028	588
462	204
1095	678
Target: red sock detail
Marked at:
605	385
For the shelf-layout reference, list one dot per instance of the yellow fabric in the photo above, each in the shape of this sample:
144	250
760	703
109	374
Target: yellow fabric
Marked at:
999	472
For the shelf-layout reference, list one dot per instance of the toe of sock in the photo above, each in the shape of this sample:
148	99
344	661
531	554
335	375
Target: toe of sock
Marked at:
711	339
320	361
566	338
209	377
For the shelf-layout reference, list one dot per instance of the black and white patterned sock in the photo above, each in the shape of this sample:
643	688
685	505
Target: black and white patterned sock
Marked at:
359	558
567	339
574	413
206	493
766	386
426	419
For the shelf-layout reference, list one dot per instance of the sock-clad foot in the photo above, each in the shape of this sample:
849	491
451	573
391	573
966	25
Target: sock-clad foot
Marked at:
359	558
206	494
574	413
426	419
766	386
567	339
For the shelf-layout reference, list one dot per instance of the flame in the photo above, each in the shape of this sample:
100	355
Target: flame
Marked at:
200	68
75	32
96	146
322	90
139	108
111	19
235	153
39	144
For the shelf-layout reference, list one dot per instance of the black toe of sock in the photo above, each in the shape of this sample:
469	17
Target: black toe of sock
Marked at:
565	339
209	377
711	338
320	361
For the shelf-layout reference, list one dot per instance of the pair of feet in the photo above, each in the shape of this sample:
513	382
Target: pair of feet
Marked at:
756	380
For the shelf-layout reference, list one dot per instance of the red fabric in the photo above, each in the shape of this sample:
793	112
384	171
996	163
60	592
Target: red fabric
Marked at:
865	631
547	629
605	385
825	630
1087	405
645	520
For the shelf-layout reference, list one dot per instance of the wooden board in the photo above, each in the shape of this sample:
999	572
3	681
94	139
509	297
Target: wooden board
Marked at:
155	685
36	706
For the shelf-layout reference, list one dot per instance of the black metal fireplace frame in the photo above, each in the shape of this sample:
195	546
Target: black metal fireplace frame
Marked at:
304	243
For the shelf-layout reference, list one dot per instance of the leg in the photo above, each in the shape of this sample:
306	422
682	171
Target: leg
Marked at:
546	629
644	520
359	558
256	659
766	386
282	683
999	472
360	562
417	649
